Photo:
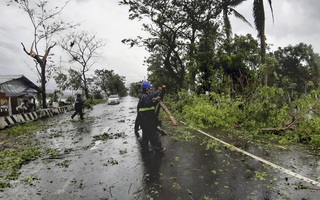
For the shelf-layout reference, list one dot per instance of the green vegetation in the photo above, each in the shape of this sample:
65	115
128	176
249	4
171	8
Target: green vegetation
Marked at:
183	134
99	86
264	113
19	146
251	87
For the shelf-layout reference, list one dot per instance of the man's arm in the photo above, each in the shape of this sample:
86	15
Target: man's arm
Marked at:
158	92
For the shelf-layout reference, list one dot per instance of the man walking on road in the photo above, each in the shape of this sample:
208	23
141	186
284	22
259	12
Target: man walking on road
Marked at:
148	119
78	106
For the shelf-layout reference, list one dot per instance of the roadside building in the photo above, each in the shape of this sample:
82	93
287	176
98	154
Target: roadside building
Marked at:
15	91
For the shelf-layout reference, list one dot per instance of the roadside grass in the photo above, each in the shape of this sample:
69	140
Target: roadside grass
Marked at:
18	146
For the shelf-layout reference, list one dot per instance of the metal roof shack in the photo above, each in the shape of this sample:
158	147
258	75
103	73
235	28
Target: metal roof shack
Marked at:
17	85
15	88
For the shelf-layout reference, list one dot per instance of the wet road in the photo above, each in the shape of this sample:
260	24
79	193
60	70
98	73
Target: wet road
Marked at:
99	158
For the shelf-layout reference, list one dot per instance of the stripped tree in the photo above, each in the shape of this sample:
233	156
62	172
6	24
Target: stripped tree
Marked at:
45	26
83	49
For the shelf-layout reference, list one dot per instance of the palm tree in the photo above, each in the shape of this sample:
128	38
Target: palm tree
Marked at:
227	8
259	21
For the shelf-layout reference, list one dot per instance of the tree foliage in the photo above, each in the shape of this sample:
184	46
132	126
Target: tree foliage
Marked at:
239	60
83	49
191	46
135	89
185	36
72	80
99	85
297	68
175	29
228	8
189	40
110	83
259	22
46	25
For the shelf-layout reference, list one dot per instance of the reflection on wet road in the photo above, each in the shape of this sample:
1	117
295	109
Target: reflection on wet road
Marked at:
100	158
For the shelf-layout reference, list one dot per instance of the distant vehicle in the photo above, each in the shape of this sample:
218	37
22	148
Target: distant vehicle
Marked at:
64	102
113	99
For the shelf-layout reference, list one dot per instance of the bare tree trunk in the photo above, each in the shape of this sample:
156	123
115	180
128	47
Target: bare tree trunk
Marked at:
42	62
43	87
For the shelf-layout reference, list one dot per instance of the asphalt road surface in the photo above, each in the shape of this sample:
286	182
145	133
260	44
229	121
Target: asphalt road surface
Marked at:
99	158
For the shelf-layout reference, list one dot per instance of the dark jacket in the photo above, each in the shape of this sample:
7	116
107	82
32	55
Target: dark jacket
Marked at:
78	104
147	100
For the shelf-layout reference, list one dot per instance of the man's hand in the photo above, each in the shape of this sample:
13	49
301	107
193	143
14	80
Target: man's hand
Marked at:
157	98
161	88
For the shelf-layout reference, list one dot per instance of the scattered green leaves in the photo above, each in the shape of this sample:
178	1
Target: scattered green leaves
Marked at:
260	175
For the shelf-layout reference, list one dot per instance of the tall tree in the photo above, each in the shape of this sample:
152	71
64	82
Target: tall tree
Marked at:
72	80
175	28
201	22
297	69
83	48
45	27
227	7
102	78
165	29
109	82
259	21
135	88
206	51
240	62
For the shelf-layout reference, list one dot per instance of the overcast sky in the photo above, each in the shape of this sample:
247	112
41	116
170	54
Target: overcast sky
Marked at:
295	21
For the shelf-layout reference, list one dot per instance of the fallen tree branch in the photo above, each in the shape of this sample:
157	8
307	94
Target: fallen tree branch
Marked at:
168	113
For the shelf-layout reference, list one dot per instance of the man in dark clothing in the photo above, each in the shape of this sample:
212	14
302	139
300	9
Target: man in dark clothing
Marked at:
78	107
157	110
137	121
148	119
137	126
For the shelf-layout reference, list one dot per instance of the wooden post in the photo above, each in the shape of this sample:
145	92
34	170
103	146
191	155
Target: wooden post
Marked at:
168	112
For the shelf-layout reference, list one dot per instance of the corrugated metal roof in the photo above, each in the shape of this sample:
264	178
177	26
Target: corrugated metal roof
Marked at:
6	78
16	85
